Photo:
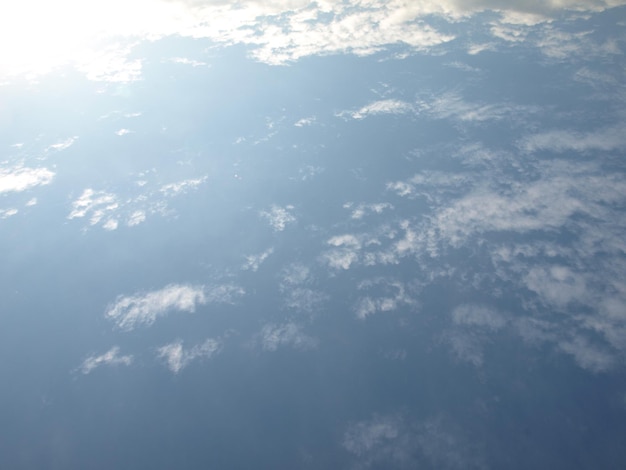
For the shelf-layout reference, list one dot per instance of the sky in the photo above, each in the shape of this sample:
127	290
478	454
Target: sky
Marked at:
336	234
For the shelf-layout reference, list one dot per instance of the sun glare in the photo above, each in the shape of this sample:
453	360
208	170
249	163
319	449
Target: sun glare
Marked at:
38	36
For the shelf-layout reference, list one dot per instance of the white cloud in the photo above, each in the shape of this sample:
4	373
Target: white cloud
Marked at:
388	106
607	139
64	144
279	217
273	336
451	105
123	132
21	179
588	356
143	309
112	358
6	213
392	441
253	262
478	316
136	218
177	358
98	203
277	32
391	296
361	210
305	121
172	189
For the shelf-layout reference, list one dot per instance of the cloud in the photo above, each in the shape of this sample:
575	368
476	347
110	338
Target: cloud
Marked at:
588	356
98	203
273	336
279	217
305	121
107	209
277	32
394	441
183	186
253	262
112	358
559	141
478	316
361	210
6	213
143	309
177	358
391	296
451	105
19	179
64	144
389	106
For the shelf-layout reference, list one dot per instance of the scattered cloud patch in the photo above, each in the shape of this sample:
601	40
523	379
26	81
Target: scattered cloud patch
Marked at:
274	336
19	179
123	132
176	357
6	213
279	217
142	309
361	210
388	106
253	262
559	141
305	121
384	295
183	186
110	358
62	145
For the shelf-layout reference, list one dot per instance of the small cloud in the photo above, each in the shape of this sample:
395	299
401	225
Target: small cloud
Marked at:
186	61
31	202
478	316
389	106
173	189
98	203
588	356
363	209
64	144
253	262
6	213
112	358
607	139
305	121
273	336
122	132
279	217
20	179
110	225
136	218
177	358
144	308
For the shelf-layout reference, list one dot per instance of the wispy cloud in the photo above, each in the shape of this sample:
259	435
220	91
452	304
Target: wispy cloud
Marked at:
390	295
279	217
611	138
274	336
62	145
253	262
109	209
176	357
111	358
142	309
361	210
389	106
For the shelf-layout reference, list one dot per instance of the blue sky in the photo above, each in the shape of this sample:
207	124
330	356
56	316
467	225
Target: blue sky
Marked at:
287	234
